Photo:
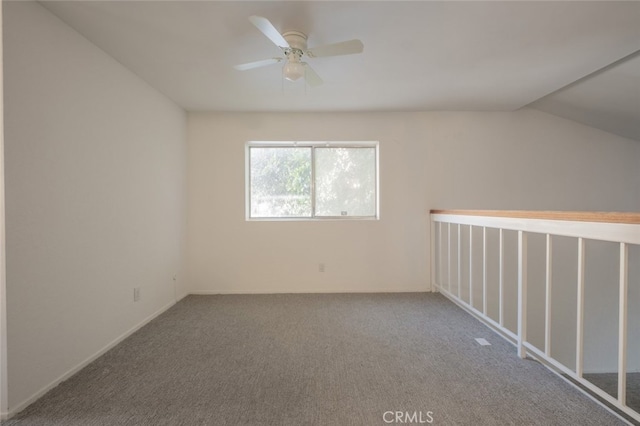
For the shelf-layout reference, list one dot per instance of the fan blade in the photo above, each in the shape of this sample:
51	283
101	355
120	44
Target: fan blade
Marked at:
257	64
267	28
310	75
343	48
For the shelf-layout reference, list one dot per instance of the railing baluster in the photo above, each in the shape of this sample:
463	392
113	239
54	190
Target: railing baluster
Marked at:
501	277
547	319
484	270
580	311
449	256
459	262
440	253
622	324
522	293
432	257
471	266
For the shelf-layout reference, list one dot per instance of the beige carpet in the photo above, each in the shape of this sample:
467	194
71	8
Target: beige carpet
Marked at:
313	360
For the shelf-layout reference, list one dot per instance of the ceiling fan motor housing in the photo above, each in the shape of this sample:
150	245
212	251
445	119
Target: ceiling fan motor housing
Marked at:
296	39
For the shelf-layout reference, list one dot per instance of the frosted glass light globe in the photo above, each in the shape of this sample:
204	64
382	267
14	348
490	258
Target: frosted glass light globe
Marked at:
293	71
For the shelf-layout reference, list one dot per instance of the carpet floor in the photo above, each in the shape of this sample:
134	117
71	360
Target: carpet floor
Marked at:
315	359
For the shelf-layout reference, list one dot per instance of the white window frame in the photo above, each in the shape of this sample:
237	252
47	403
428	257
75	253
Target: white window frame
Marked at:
310	144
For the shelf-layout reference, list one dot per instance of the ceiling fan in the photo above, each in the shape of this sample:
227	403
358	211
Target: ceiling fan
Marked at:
294	48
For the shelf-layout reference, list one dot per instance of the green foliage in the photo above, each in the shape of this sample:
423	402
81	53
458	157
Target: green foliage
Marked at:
280	182
345	181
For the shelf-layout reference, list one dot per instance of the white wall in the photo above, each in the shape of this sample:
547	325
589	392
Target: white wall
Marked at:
95	199
522	160
530	160
3	269
227	254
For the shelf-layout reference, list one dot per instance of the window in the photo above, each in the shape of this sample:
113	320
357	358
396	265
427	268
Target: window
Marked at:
312	180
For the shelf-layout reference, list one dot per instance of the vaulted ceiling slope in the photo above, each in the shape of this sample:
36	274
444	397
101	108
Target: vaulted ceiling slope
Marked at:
418	56
608	100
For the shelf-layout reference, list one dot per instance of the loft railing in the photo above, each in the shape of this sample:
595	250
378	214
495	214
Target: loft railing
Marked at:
452	232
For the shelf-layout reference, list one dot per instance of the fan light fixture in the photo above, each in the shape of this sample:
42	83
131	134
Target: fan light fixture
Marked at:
293	71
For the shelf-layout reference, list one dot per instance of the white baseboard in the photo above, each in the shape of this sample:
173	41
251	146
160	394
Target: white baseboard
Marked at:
383	291
21	406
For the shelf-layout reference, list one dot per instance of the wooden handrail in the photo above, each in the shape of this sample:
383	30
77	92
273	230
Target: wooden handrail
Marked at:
608	217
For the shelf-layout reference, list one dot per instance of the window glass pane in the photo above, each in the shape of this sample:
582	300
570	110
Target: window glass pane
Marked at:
280	182
345	181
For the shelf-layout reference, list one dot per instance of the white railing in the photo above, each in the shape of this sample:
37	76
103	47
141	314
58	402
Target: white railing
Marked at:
448	265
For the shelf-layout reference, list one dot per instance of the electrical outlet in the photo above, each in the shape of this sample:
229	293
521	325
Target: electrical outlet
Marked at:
136	294
321	267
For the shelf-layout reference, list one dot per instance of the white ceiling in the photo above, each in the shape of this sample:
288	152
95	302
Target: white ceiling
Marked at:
418	56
